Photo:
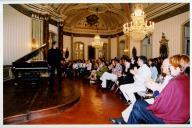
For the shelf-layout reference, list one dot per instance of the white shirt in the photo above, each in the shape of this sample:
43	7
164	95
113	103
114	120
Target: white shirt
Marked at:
75	66
144	72
89	65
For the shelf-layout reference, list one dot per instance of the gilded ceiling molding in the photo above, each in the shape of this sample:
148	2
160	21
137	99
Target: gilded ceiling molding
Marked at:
112	16
85	31
44	9
157	10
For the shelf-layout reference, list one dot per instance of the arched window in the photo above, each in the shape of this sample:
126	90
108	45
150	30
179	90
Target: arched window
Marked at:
79	50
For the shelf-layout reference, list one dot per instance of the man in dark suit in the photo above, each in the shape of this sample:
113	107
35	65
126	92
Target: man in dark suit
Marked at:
54	62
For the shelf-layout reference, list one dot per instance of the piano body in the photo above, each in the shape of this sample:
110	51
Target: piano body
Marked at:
25	69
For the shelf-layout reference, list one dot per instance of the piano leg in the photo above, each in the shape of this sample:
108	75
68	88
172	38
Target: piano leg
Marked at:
16	78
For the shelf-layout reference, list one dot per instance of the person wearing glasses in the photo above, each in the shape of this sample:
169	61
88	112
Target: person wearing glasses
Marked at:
172	106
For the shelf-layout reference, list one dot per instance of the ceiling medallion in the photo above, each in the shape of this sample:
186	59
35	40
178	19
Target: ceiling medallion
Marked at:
92	19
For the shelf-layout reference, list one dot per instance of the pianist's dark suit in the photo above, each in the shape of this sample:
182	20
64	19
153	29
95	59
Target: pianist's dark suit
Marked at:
54	57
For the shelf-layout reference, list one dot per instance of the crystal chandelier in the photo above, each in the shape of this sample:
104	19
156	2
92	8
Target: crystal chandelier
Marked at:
97	43
138	28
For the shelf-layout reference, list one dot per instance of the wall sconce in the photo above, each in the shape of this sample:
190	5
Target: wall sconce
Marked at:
126	50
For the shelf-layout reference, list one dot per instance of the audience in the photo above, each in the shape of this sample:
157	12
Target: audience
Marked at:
165	109
168	79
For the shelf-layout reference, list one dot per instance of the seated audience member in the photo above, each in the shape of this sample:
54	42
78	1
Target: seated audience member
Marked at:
185	64
158	62
151	84
127	77
153	68
63	67
96	68
128	90
158	87
134	62
82	68
172	106
88	66
69	71
99	69
139	78
75	69
102	69
116	72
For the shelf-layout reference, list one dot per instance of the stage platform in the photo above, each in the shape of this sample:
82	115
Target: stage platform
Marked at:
27	101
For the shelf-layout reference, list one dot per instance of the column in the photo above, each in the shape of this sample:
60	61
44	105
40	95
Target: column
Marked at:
127	45
46	35
72	47
109	48
60	36
118	55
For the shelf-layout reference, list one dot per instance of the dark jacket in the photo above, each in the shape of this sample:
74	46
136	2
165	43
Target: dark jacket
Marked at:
54	57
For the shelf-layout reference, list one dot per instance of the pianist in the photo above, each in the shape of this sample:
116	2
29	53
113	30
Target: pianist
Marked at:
54	63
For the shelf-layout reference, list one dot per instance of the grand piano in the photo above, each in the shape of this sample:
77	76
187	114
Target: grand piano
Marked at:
27	69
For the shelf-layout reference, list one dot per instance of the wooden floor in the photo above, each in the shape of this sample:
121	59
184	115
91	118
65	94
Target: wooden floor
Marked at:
27	101
94	107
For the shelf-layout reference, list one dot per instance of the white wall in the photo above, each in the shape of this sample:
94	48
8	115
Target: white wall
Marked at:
172	28
113	47
53	28
17	36
133	43
137	45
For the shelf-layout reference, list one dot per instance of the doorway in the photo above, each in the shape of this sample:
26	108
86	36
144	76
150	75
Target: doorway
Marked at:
186	39
91	52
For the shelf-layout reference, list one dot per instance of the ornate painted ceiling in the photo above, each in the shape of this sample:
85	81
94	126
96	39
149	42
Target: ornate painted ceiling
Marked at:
92	18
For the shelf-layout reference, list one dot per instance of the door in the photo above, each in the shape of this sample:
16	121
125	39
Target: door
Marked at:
91	52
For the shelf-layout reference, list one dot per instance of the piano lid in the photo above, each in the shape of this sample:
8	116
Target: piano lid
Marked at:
30	55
